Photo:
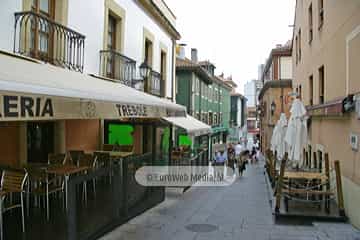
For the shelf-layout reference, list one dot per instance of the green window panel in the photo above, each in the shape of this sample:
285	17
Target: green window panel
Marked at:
120	134
184	140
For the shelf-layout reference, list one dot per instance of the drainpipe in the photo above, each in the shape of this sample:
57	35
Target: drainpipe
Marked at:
173	70
282	89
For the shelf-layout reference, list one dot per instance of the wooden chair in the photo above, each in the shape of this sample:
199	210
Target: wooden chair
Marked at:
13	182
103	160
75	156
124	148
56	159
48	184
88	160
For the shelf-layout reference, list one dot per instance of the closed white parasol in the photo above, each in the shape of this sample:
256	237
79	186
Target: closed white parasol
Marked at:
278	138
296	134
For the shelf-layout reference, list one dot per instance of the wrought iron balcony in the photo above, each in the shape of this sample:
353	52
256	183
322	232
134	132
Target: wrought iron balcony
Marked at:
118	67
155	84
39	37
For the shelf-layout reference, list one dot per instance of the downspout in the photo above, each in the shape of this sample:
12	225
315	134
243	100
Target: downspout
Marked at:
282	89
173	70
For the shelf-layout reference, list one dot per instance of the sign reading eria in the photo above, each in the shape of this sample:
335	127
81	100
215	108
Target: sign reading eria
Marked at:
14	106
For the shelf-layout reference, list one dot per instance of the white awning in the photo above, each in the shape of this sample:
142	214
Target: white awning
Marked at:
192	126
36	91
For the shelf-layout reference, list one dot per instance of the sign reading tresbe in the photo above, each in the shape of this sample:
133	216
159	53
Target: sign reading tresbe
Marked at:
14	106
132	110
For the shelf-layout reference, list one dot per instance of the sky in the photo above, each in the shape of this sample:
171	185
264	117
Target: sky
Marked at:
235	35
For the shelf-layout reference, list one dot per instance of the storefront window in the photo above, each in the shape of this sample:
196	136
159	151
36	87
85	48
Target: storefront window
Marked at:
120	134
184	140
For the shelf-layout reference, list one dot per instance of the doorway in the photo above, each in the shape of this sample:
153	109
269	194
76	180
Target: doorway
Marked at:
40	141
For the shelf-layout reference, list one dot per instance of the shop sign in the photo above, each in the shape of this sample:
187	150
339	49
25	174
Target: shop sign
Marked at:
13	106
330	110
26	107
132	110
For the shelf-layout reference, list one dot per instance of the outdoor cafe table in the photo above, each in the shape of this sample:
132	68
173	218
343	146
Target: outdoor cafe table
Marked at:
305	175
66	171
115	154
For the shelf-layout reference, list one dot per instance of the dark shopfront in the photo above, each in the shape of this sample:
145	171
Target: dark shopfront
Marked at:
111	204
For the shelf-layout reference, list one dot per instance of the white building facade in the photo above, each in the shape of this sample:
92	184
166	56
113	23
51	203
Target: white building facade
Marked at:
143	30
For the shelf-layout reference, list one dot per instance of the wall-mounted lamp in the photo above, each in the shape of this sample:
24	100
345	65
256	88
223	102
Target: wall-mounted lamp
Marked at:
273	108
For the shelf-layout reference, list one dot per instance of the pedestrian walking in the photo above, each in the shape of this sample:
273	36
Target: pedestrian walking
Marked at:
231	157
220	159
253	155
238	149
241	163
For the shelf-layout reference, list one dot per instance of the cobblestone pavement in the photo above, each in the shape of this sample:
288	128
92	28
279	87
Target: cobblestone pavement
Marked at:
240	211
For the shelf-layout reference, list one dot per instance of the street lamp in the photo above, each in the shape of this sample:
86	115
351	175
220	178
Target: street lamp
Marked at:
272	108
145	71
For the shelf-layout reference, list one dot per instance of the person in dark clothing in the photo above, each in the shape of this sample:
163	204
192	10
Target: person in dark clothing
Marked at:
243	158
231	157
253	155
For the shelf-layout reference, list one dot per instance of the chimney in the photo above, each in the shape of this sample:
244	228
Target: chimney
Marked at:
194	55
181	50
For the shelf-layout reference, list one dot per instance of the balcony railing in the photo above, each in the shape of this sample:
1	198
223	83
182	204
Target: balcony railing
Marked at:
39	37
155	83
117	66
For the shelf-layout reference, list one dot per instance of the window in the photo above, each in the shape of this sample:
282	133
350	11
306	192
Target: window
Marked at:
321	85
41	37
210	118
310	24
196	83
163	73
311	89
204	117
148	52
215	119
300	92
111	45
321	13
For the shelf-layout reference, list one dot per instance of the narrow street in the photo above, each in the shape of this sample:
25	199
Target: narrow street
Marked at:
241	211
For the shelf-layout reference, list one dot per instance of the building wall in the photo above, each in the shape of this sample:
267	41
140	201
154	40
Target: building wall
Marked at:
7	22
83	135
249	93
136	22
225	107
336	46
268	121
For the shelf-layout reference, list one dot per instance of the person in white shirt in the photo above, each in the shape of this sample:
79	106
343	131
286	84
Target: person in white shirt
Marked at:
238	149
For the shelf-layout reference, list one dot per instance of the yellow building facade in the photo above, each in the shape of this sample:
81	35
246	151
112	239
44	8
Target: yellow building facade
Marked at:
326	76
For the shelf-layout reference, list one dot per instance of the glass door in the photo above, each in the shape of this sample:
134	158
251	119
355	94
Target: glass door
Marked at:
41	33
